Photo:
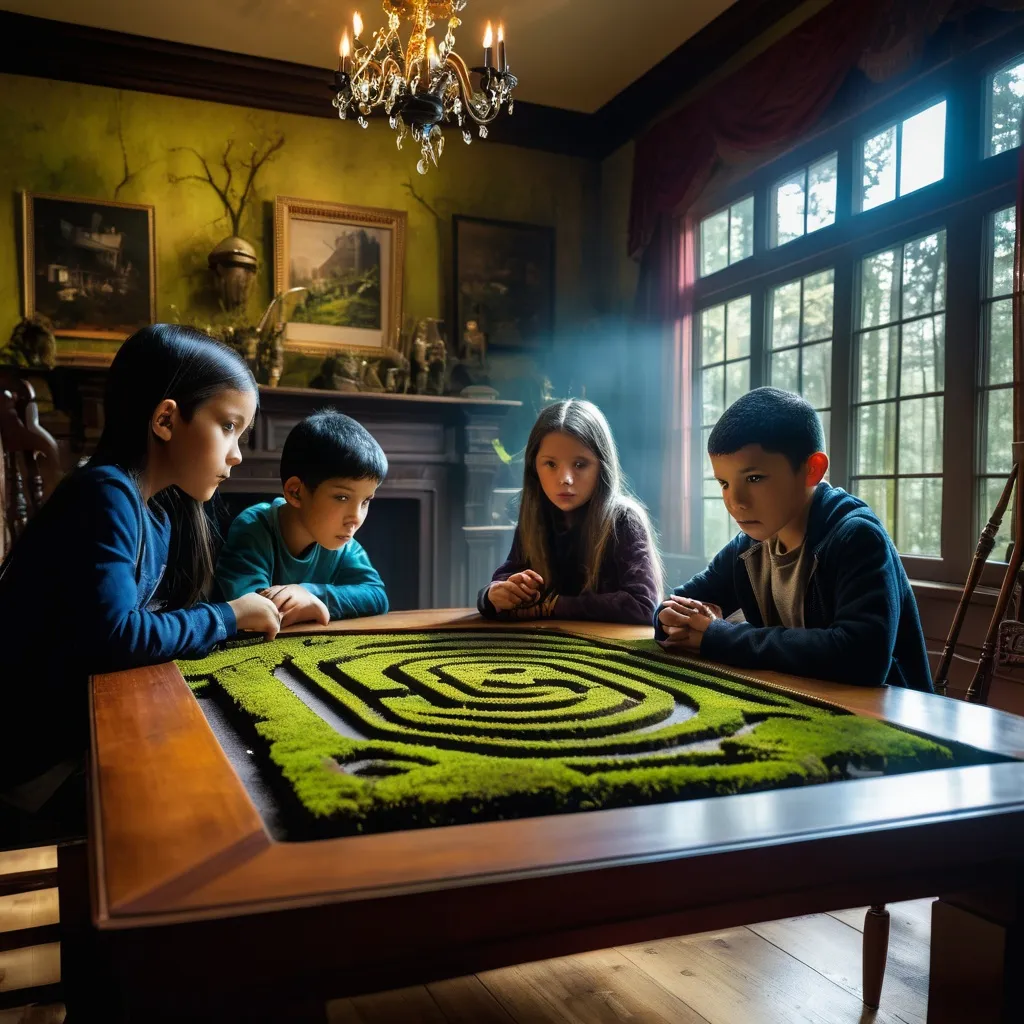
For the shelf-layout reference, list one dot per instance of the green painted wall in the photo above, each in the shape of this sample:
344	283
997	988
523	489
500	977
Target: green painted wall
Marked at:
103	143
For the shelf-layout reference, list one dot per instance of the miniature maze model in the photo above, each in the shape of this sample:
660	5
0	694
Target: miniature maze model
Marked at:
361	732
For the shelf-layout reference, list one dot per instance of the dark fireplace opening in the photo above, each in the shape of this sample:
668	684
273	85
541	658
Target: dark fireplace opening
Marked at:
390	535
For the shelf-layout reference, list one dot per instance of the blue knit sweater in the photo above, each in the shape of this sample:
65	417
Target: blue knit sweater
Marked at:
255	557
861	620
74	597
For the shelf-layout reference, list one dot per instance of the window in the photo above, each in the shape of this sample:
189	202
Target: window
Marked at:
903	157
799	325
1005	108
727	237
898	402
724	376
996	399
805	201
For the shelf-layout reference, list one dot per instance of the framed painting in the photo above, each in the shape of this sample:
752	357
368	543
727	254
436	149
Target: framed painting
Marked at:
351	261
89	265
505	282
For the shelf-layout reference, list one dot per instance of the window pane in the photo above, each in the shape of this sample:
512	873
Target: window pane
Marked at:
1000	342
817	374
786	370
714	243
712	335
737	380
818	299
923	153
785	315
718	527
881	496
705	436
737	334
821	193
876	434
741	230
1006	107
877	377
712	394
919	531
924	275
997	430
826	426
879	289
990	489
921	436
789	209
879	169
1004	231
923	361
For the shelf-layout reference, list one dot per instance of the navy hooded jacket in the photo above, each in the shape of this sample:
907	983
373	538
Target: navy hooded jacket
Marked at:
861	620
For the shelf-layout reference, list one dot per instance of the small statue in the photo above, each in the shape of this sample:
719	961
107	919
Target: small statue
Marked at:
474	344
270	354
437	361
394	368
338	373
32	343
419	360
371	378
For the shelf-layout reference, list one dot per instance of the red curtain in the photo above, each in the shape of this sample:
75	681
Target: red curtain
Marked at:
774	98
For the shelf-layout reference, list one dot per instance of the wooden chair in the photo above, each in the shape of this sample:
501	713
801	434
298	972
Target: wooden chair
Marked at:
31	462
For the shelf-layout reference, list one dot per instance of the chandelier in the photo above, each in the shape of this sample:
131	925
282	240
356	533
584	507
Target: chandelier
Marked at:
423	84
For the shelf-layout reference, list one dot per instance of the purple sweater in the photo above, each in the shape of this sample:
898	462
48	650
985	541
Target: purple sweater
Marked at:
625	589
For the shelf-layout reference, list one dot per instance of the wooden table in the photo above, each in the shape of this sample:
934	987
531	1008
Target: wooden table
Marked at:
200	912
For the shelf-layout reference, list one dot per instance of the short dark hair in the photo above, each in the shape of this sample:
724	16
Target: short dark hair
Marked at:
777	420
330	444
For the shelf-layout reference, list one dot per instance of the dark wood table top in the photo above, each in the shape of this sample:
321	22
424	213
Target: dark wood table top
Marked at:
175	837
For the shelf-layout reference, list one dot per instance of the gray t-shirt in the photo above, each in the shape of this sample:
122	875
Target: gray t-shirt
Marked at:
781	583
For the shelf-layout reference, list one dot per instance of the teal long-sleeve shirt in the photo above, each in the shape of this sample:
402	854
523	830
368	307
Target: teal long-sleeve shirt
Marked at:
255	557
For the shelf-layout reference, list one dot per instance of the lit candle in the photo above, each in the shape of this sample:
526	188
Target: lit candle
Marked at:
357	26
502	64
488	43
432	59
343	50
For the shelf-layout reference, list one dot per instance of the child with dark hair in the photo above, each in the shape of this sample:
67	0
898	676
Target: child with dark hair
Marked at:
299	550
115	569
820	584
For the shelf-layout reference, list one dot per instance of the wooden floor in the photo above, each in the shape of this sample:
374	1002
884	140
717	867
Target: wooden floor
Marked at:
804	970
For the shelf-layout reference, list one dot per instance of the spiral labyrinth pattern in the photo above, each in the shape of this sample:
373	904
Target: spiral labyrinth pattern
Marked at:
367	731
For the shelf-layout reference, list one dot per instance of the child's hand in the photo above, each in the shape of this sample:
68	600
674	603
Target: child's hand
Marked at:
684	611
255	613
685	621
297	604
519	589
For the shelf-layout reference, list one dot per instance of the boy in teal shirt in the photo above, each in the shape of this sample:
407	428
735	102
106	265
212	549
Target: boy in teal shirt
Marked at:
300	550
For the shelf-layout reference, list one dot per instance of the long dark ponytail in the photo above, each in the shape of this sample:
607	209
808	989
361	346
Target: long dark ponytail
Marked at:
169	361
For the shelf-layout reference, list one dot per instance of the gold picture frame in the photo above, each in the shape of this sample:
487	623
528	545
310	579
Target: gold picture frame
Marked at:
355	292
89	265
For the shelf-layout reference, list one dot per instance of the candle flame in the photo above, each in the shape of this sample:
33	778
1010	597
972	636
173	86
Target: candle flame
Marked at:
501	32
431	52
344	49
489	35
357	25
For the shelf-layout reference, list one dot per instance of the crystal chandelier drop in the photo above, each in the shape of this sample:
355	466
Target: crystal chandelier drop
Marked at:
422	84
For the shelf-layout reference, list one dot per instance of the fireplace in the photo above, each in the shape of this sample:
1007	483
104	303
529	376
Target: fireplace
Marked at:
429	532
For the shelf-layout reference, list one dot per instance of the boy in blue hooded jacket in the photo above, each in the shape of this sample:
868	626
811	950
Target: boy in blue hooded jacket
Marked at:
822	589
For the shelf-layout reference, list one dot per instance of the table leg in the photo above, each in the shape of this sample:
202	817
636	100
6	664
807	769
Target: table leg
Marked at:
977	957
